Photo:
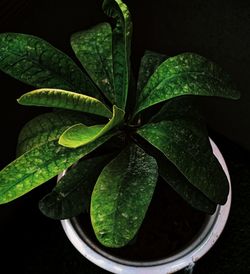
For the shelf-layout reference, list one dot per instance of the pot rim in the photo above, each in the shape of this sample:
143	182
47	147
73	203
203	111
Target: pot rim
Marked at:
197	248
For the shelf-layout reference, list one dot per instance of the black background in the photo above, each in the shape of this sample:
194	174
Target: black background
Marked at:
218	30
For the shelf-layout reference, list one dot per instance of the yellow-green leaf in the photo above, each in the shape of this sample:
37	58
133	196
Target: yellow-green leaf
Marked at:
66	100
80	134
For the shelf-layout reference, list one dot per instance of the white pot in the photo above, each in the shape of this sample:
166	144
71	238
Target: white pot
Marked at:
200	245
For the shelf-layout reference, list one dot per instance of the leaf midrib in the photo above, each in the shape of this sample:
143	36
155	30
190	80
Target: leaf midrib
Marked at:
27	175
116	212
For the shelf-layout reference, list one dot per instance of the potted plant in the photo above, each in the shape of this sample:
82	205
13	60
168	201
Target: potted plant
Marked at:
118	141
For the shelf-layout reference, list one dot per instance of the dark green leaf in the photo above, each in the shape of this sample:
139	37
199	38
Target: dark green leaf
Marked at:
149	63
80	134
121	43
39	165
47	127
186	74
37	63
93	48
122	195
66	100
188	148
182	107
182	186
71	195
178	182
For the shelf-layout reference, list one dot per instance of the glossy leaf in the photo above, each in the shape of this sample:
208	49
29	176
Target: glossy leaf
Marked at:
186	74
71	195
183	187
188	148
80	134
39	165
182	107
47	127
122	195
149	63
178	181
93	48
121	43
66	100
37	63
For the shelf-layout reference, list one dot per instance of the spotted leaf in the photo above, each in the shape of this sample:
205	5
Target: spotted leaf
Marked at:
48	127
93	48
186	74
149	63
39	165
122	195
121	43
71	195
187	146
35	62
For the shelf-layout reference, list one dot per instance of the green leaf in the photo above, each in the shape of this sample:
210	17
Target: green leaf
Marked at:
121	43
47	127
188	148
186	74
182	186
71	195
93	48
37	63
64	99
122	195
149	63
177	181
39	165
80	134
182	107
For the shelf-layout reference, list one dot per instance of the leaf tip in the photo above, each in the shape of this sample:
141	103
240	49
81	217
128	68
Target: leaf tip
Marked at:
19	100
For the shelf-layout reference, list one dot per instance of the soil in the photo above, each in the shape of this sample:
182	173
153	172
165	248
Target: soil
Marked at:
170	224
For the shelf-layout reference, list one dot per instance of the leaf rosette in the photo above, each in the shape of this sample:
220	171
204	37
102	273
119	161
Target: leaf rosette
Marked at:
114	155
